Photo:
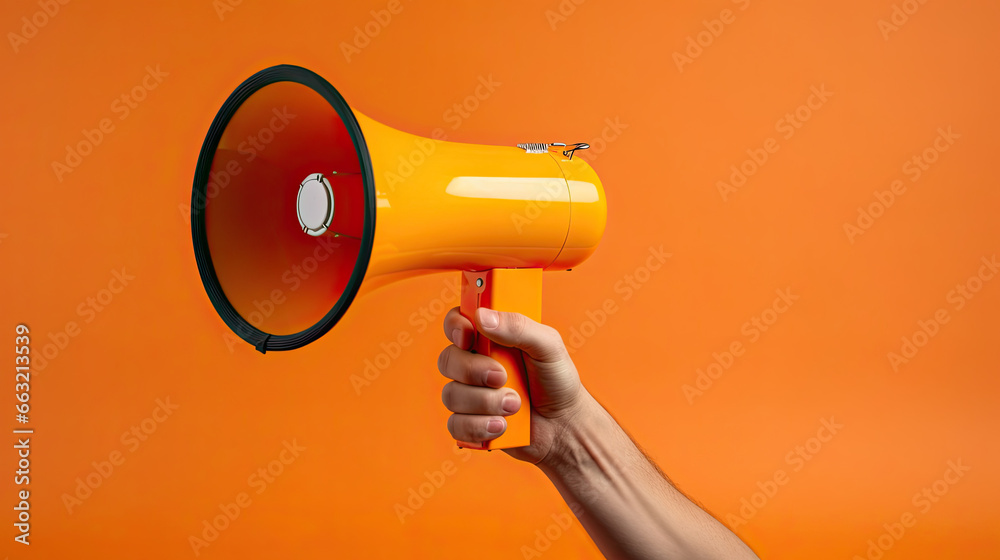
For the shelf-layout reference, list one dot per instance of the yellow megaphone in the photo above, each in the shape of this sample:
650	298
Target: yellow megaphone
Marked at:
300	202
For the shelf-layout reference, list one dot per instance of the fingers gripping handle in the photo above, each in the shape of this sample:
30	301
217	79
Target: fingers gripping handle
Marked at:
505	289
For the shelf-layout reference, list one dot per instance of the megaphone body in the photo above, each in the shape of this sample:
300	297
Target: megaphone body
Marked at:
301	203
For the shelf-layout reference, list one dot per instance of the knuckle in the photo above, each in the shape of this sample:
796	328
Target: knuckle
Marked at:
468	369
486	401
556	338
553	341
552	333
480	403
547	334
469	428
516	324
462	430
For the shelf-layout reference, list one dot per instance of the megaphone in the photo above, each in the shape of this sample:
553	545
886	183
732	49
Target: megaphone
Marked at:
300	203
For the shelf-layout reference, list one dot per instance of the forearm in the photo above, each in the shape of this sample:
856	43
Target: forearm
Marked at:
626	505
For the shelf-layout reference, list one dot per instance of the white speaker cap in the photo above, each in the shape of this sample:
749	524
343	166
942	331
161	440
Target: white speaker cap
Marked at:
315	204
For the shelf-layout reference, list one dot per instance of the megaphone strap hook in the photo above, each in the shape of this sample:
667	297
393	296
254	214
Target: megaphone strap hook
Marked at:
541	148
578	146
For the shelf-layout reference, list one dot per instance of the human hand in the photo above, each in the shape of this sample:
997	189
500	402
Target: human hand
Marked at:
476	394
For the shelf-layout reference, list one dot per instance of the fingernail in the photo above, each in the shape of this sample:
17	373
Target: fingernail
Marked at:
494	378
456	337
511	403
490	319
495	426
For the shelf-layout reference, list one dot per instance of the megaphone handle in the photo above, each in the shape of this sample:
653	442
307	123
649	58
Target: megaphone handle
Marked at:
505	289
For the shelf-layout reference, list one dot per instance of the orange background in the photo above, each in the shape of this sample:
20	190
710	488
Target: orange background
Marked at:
826	356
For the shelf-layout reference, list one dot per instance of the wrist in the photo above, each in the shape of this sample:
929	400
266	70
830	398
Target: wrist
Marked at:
568	450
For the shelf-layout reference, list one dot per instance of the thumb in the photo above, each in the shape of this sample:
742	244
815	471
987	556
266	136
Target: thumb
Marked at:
541	342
